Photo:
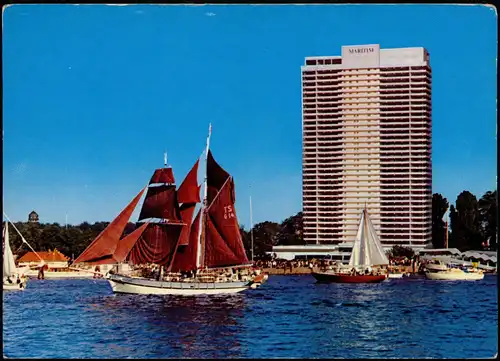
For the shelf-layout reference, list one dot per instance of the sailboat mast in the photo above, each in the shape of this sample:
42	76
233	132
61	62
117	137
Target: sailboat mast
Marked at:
446	234
251	225
363	240
199	253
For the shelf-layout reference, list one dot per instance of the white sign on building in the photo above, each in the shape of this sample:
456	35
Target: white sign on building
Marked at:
361	56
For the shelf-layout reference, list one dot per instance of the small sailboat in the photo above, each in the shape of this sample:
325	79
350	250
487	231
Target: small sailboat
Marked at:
195	257
13	278
367	252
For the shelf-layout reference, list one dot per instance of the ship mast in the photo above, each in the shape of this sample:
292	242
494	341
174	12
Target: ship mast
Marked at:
446	234
251	225
199	253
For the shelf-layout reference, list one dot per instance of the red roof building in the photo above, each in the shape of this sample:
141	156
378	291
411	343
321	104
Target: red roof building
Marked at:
53	259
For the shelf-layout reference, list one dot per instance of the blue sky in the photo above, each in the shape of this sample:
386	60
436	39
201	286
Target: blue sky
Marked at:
94	94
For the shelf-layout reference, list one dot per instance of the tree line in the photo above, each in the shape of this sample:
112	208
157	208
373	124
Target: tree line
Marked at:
473	227
473	222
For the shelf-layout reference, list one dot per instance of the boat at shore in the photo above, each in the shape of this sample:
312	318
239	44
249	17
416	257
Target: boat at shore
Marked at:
14	278
367	253
455	274
186	256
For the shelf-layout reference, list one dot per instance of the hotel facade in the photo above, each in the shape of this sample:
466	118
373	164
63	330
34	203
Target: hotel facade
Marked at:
366	126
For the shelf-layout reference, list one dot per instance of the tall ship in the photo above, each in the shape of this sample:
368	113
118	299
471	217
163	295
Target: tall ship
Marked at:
170	252
367	253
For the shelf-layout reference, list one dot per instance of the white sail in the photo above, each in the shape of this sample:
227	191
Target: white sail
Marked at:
9	266
356	249
367	249
375	249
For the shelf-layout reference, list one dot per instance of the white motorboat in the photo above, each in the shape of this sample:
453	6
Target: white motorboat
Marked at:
455	274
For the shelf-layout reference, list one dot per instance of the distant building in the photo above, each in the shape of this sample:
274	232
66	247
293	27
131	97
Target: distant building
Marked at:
53	259
33	217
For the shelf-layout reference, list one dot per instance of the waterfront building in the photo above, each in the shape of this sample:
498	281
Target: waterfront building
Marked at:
367	140
53	259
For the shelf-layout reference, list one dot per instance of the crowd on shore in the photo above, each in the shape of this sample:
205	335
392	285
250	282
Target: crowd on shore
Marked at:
295	265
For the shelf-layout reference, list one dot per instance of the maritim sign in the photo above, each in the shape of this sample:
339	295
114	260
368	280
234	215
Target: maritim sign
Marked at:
361	56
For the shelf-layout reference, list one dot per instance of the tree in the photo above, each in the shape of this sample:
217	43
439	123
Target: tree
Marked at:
292	231
439	208
487	207
398	251
465	223
264	237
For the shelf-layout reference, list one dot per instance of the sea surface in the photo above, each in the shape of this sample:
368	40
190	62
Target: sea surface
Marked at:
289	316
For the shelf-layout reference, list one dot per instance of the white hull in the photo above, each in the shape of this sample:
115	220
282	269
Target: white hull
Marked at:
454	276
14	286
51	275
143	286
395	275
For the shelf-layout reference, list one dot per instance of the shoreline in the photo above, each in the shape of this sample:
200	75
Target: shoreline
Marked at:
307	270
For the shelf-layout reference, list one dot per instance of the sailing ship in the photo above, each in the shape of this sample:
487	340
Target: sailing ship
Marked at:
196	256
367	252
13	278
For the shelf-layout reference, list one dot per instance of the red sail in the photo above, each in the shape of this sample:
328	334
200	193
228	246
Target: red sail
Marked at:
156	244
160	202
185	257
126	243
216	177
163	175
217	251
223	243
189	191
187	211
106	242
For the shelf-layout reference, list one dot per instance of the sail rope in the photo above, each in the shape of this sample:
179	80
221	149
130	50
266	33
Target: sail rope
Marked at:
23	239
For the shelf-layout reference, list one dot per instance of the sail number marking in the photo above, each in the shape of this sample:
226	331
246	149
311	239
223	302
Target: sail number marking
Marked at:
228	212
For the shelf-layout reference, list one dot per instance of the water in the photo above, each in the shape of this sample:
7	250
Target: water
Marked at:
290	316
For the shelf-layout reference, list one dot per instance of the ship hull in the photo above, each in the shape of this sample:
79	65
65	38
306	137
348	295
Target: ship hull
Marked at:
343	278
135	285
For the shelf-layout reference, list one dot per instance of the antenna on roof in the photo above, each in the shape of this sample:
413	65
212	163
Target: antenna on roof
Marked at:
165	159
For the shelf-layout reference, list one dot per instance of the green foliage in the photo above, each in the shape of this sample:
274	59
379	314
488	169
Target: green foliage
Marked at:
291	233
264	238
439	208
400	251
70	240
487	207
465	223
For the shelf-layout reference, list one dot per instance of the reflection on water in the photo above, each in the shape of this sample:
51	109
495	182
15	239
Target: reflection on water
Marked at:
290	316
184	327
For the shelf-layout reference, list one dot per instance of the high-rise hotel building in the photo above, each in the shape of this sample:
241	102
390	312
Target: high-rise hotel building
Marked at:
367	141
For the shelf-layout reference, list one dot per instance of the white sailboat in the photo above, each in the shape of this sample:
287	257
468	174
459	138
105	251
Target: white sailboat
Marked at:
13	278
367	252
